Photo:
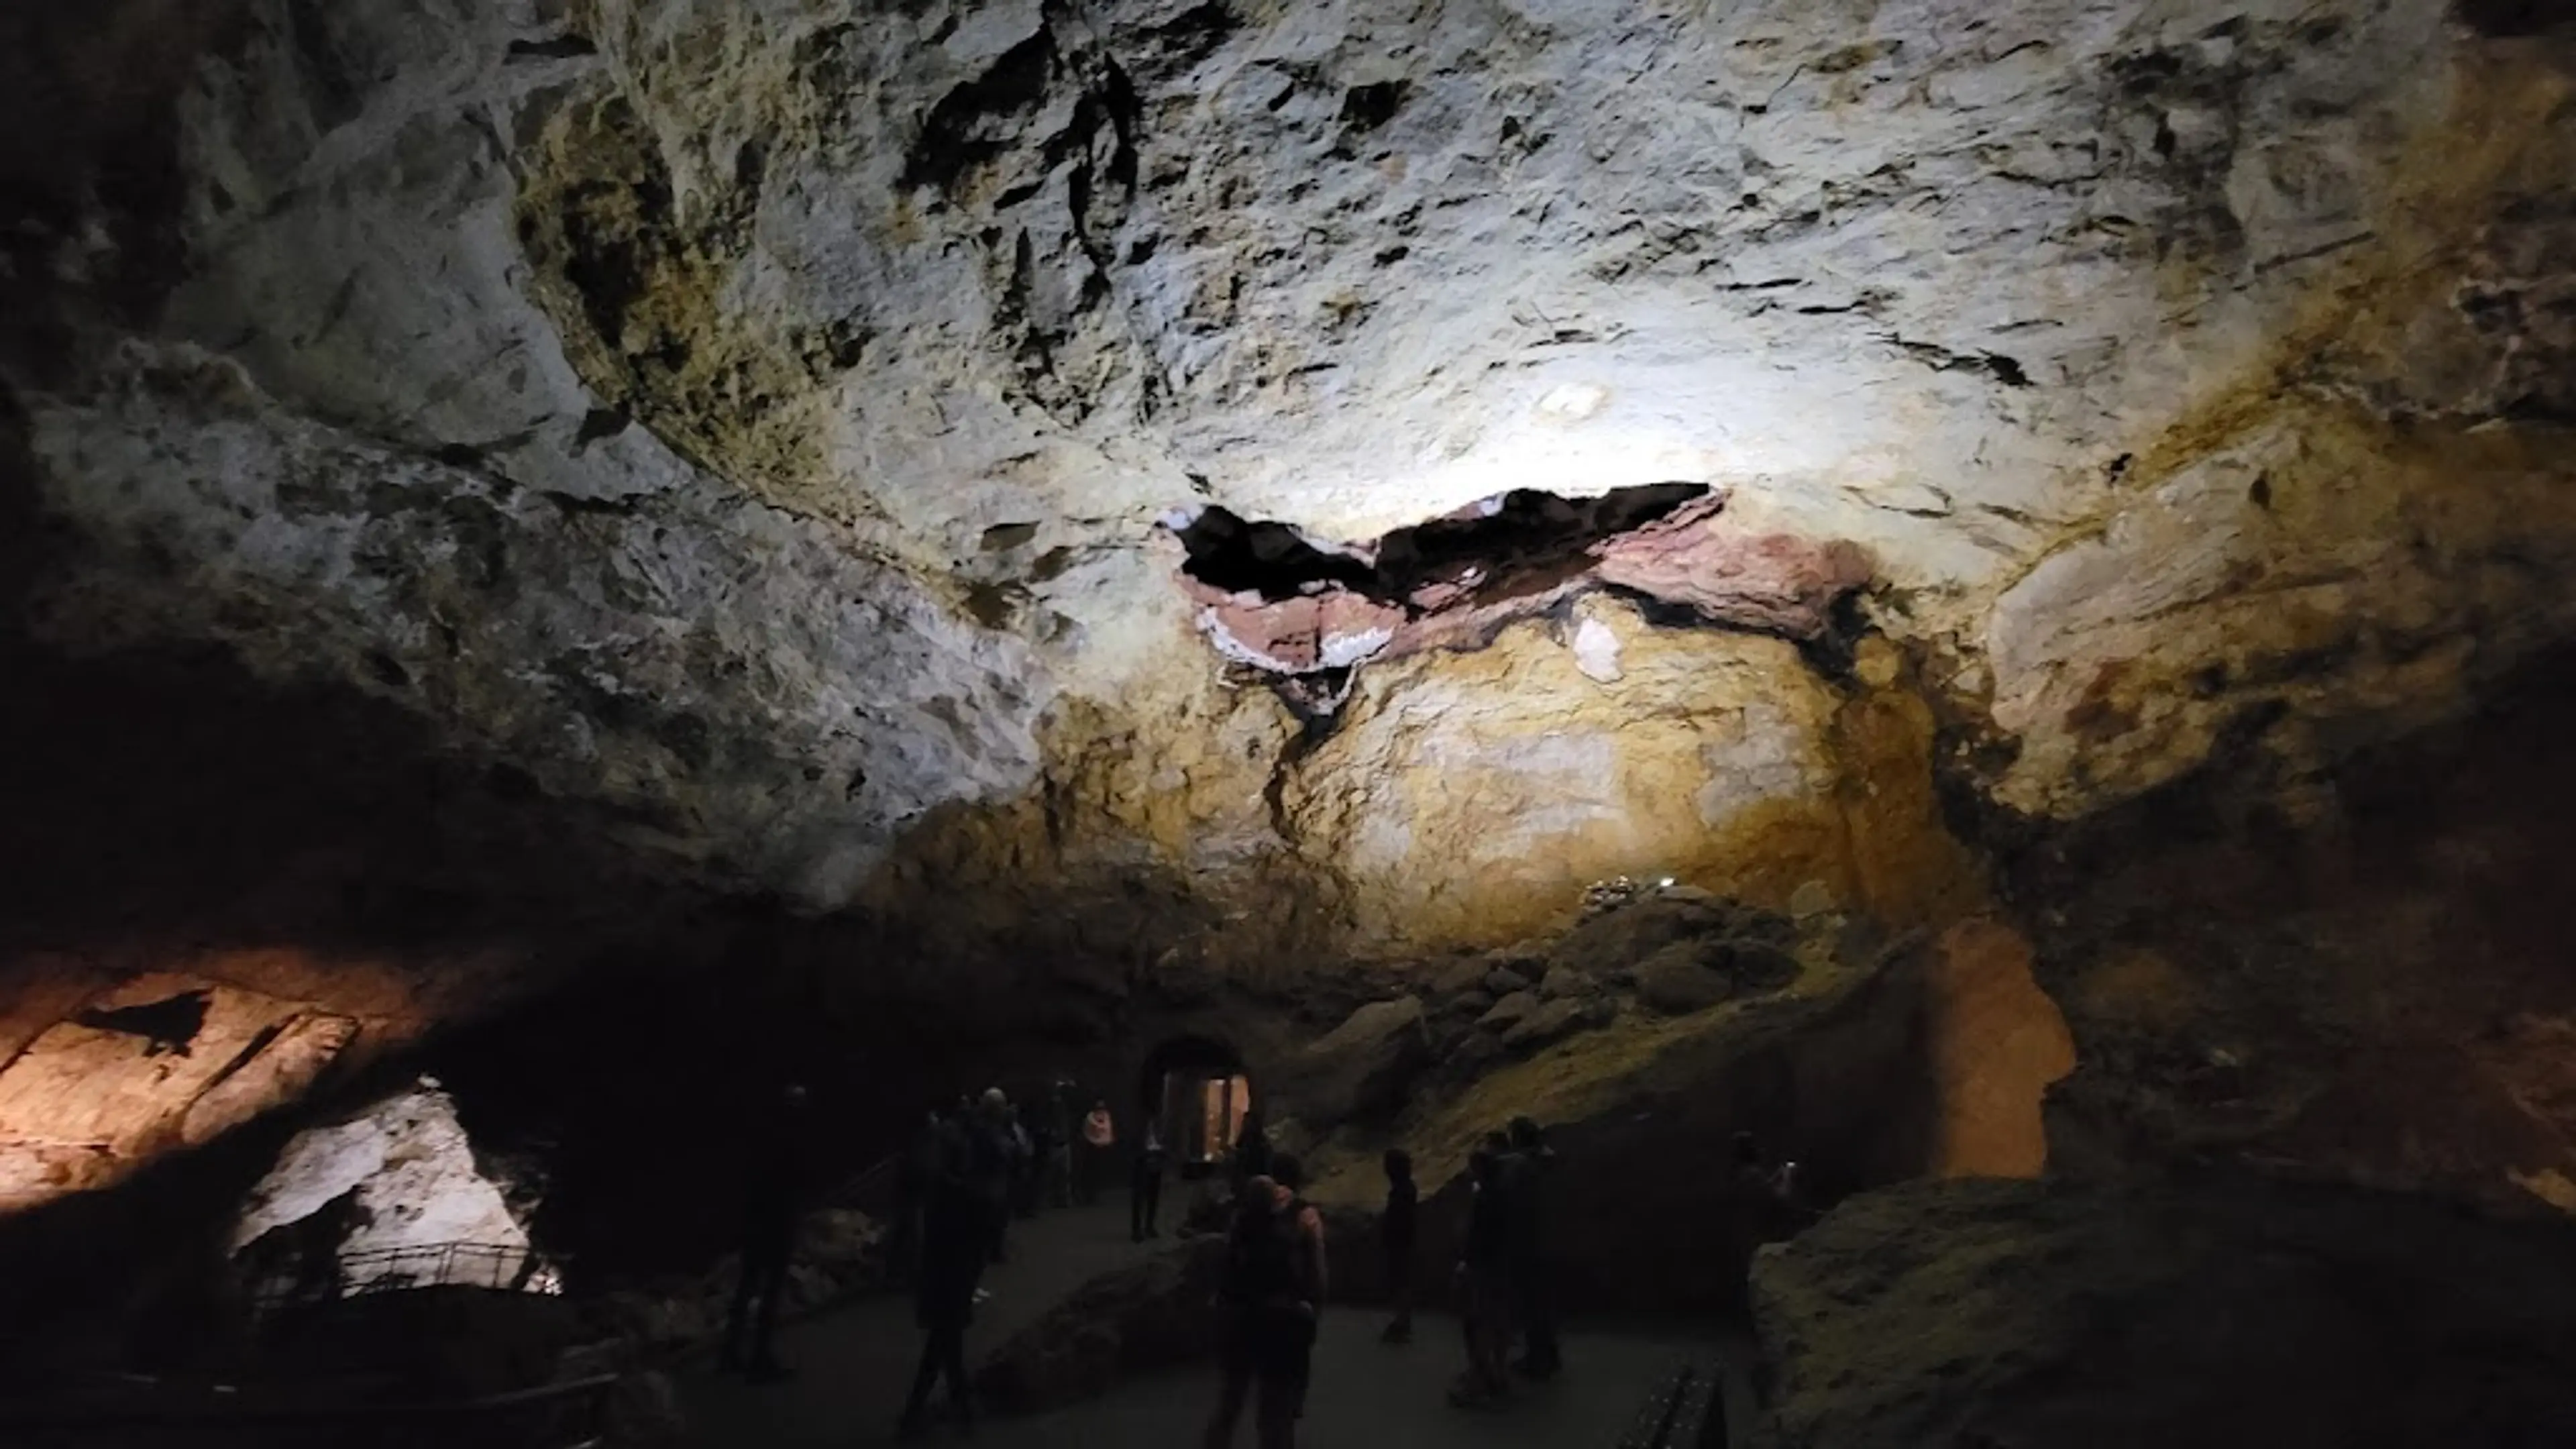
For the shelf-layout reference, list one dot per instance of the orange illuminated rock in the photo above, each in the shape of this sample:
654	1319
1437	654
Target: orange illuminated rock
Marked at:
161	1060
1996	1043
279	1072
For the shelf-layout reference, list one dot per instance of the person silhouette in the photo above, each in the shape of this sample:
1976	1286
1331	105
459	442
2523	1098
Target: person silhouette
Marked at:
773	1191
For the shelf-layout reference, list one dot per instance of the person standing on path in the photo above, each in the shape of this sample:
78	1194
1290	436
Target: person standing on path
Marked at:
990	1160
1099	1140
1063	1185
1251	1152
1268	1304
1534	1300
1028	1159
1484	1284
1396	1230
1145	1187
956	1242
912	1190
773	1193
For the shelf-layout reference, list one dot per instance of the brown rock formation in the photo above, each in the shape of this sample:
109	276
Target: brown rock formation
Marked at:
1470	798
1997	1044
2374	995
2230	1313
1865	1072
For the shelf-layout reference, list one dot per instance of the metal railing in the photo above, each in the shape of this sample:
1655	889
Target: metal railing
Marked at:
505	1266
500	1267
1686	1411
571	1415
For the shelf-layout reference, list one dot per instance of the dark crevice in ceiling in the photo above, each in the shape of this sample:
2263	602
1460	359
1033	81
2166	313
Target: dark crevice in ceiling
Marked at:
1302	615
1523	532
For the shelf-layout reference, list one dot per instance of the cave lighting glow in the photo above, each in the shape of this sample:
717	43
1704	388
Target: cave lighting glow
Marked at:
1584	426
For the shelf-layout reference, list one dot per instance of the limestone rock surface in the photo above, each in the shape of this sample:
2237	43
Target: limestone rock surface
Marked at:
2223	1314
154	1062
1550	1021
2312	996
1359	1069
1509	1012
1716	758
1682	978
758	418
772	436
410	1174
1865	1069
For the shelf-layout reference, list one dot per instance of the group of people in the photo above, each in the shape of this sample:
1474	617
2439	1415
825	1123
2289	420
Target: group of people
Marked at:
975	1167
979	1162
1502	1274
1274	1280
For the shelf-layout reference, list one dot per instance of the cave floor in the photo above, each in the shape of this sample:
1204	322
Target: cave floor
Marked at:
855	1363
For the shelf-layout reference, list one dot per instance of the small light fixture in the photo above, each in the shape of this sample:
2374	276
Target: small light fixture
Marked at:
1667	883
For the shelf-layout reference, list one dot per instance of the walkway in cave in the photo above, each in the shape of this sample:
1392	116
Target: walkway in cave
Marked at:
1369	1396
855	1363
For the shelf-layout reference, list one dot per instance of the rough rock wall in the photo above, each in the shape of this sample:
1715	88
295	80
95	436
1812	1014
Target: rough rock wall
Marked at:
147	1065
2376	991
2230	1313
409	1175
741	431
1864	1064
1469	799
752	414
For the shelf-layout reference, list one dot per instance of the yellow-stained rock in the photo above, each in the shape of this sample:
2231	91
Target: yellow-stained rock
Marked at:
1469	798
1995	1043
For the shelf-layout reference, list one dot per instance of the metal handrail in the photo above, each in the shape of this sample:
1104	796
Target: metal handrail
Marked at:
500	1267
570	1415
491	1265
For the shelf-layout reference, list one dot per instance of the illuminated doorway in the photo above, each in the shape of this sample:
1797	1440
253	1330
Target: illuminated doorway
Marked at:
1197	1096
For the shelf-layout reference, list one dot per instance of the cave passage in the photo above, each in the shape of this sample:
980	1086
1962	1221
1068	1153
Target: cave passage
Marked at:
1897	689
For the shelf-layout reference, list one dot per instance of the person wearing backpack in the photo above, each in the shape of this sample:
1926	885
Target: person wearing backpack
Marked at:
1145	1187
1268	1302
956	1241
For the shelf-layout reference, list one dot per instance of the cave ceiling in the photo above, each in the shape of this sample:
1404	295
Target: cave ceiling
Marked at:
788	420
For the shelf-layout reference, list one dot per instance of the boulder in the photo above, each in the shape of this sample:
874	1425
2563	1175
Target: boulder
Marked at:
1447	1031
1565	981
1760	966
1461	977
1474	1052
1682	978
1146	1316
1507	1013
408	1171
1359	1069
1561	1017
1472	1004
1503	981
2237	1312
1619	940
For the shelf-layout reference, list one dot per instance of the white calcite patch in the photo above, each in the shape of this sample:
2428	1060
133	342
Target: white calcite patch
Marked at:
416	1185
1596	651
